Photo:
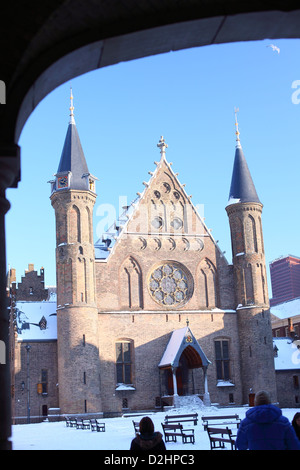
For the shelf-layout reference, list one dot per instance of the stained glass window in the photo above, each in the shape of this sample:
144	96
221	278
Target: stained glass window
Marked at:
170	284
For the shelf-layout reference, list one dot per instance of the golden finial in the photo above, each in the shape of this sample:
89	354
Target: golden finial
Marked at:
237	132
72	120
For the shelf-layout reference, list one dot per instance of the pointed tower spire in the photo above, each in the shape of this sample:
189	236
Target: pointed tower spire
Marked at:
162	145
72	172
242	188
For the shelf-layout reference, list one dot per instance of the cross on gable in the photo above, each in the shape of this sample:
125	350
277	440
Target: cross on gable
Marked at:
162	145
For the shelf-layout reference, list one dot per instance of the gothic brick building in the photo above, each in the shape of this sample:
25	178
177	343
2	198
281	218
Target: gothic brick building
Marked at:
154	309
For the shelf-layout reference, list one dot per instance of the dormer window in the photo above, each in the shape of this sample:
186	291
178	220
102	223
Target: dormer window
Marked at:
90	181
92	184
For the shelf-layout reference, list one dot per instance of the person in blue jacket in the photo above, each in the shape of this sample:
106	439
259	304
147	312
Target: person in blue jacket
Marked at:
264	428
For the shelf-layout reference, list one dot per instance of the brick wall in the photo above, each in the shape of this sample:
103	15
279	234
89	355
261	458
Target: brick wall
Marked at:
42	356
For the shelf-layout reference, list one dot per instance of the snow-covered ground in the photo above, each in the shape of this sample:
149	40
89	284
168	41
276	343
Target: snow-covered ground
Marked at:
119	432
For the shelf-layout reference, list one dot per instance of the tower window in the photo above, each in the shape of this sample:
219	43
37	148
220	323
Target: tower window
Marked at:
296	381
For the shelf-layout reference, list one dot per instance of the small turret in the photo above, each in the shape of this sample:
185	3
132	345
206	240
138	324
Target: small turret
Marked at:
73	198
244	210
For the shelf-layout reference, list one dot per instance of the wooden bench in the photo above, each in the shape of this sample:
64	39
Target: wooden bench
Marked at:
169	419
70	422
97	426
221	420
172	431
136	426
219	436
82	423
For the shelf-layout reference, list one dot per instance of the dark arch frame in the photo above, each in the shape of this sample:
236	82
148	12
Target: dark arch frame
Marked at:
54	41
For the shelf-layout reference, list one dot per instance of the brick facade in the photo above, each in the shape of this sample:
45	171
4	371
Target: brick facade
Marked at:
38	365
77	315
254	321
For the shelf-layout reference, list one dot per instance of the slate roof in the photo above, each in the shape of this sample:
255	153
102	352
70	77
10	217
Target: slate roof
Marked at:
288	354
36	321
242	188
290	308
73	160
183	339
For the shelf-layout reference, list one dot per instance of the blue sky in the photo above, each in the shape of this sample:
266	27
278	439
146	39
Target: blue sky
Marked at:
188	97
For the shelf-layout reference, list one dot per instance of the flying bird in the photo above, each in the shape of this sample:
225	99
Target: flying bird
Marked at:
275	48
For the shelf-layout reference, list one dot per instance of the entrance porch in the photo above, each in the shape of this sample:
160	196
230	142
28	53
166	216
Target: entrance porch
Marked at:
183	368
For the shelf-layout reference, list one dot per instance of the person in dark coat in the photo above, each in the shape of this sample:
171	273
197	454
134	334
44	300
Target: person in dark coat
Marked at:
264	428
147	439
296	424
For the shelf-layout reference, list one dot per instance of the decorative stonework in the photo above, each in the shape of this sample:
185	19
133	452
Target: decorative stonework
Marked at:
170	284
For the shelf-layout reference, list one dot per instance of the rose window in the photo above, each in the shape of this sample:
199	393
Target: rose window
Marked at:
171	284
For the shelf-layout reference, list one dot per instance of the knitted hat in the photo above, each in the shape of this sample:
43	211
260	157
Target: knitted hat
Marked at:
262	398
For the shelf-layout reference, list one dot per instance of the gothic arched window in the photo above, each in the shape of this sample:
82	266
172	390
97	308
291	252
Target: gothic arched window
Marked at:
207	284
131	292
124	361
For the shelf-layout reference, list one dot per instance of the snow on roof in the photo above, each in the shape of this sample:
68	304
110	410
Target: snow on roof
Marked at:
179	340
288	354
172	347
101	251
288	309
36	321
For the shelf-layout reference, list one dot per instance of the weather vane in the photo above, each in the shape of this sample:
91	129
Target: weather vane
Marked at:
237	132
72	120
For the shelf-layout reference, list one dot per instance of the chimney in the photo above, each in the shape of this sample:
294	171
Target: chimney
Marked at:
291	330
12	275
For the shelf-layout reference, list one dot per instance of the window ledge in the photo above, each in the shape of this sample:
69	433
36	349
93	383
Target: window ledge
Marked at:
126	387
225	383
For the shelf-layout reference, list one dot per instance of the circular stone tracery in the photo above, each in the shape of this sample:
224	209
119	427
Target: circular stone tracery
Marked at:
171	284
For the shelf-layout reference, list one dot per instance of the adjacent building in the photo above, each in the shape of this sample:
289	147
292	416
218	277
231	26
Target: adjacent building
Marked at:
285	279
